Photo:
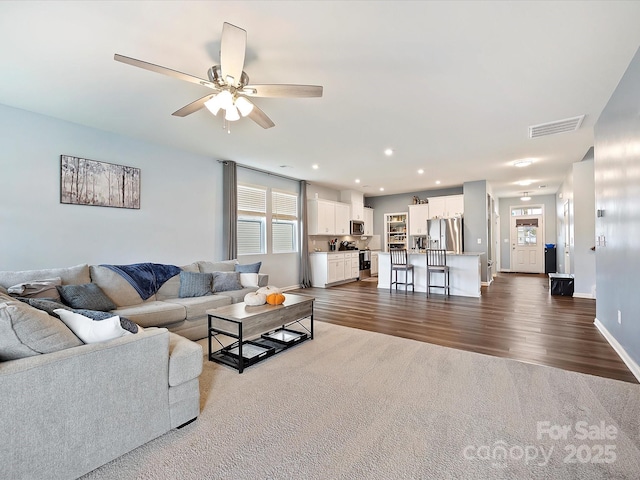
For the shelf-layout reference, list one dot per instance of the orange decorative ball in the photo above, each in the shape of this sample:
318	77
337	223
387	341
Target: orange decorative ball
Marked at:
275	299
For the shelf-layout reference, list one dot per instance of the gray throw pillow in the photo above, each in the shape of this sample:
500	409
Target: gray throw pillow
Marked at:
89	296
249	268
194	284
226	281
26	331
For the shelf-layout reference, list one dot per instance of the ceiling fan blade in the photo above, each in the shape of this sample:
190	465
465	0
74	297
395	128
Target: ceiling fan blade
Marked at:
192	107
165	71
232	50
286	91
260	118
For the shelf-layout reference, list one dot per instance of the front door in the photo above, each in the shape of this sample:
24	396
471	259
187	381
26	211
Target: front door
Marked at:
527	244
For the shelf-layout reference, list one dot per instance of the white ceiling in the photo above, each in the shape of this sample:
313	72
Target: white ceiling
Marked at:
452	87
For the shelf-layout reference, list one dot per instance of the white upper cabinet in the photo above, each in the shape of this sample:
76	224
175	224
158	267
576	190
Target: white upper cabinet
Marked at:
446	207
342	219
418	216
368	221
322	217
356	202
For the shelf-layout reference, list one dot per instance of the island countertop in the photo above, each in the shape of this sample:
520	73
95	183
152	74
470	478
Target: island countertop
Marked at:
464	273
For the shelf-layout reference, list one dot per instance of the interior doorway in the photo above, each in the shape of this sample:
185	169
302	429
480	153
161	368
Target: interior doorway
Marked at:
527	239
567	238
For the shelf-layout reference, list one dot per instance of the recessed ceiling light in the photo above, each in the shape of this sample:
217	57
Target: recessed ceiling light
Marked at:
525	162
420	171
524	183
382	189
315	166
388	152
437	182
357	180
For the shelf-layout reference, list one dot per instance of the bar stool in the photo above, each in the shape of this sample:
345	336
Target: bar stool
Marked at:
437	262
399	263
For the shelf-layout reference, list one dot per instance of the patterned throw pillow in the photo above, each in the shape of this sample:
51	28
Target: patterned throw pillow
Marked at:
226	281
249	268
89	296
194	284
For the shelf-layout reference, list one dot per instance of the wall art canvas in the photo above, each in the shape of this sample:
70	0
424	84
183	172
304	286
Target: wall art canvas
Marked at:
90	182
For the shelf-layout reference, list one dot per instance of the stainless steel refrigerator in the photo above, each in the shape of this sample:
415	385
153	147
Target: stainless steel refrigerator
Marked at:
445	233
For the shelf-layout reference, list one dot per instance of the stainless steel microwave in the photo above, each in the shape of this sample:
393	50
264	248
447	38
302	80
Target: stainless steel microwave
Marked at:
357	227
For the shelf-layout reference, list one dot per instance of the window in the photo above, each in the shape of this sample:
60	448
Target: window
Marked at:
284	221
517	212
255	214
252	219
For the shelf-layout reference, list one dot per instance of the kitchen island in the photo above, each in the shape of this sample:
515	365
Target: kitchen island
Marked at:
464	273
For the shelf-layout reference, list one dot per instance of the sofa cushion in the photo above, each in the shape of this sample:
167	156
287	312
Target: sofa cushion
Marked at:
76	275
222	266
26	331
226	281
171	288
153	313
37	289
197	306
115	286
248	268
92	331
236	296
89	296
194	284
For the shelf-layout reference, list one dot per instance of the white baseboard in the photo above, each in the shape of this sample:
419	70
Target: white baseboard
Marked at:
628	361
583	295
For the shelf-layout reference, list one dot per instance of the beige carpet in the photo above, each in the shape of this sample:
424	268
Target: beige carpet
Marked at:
353	404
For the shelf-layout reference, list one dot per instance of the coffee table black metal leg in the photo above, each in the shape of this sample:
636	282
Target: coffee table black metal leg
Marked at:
240	357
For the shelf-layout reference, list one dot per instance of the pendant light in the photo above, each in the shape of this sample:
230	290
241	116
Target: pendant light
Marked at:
525	197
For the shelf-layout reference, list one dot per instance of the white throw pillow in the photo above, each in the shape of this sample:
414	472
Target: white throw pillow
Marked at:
91	331
249	279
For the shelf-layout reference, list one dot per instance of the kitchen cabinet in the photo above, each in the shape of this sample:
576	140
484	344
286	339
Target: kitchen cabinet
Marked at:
327	218
446	206
335	267
418	216
354	270
342	225
368	221
355	200
374	264
329	268
395	227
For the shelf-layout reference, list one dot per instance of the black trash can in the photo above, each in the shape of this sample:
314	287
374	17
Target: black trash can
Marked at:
550	258
561	284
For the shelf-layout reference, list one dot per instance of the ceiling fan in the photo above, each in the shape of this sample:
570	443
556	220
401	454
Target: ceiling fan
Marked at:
230	83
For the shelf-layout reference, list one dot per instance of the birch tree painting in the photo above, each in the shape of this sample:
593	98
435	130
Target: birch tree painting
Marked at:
89	182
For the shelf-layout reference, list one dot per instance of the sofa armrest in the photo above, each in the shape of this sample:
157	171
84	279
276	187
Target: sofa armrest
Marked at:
263	279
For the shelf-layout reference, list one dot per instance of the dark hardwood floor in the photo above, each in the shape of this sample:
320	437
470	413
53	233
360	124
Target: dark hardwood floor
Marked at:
514	318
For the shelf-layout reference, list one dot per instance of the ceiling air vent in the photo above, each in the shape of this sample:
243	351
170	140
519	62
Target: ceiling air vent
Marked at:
559	126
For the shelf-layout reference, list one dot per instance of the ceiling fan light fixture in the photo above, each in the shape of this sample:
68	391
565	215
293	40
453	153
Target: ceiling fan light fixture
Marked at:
244	106
232	114
213	104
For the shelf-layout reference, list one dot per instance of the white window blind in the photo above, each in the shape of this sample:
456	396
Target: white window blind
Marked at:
284	206
252	216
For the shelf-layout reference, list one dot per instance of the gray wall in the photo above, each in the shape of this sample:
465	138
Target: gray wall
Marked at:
178	221
475	222
400	203
617	187
549	204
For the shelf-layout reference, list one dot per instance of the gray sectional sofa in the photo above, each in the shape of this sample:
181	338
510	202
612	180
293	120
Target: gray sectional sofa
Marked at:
66	407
